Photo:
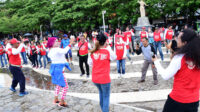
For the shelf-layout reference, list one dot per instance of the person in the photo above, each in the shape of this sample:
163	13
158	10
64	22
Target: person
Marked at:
126	41
44	44
148	51
65	42
15	66
34	55
185	68
23	55
100	61
150	38
120	51
128	34
143	34
158	44
169	33
41	54
57	56
83	47
2	55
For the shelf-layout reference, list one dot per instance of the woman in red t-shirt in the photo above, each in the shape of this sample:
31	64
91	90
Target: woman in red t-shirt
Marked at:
41	54
185	68
100	61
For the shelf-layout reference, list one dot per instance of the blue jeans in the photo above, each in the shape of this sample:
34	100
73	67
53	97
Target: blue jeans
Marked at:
158	46
23	54
127	54
104	96
44	60
48	59
121	64
1	58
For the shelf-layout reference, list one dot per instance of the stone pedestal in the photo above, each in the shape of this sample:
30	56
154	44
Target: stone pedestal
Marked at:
142	22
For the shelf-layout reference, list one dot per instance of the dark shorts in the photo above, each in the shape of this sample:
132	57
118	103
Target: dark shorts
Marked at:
174	106
69	53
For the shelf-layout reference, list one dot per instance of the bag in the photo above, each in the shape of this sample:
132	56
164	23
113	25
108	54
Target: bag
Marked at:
79	49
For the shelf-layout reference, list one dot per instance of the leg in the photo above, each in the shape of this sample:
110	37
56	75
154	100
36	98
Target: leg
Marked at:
156	46
4	56
160	51
1	56
133	39
57	91
36	60
14	81
144	69
66	56
22	80
118	67
100	95
86	65
23	57
81	65
106	96
64	90
123	66
39	60
127	54
70	55
44	61
154	70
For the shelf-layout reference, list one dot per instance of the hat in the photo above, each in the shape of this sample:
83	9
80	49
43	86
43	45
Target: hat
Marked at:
26	40
14	41
51	41
143	27
101	38
65	35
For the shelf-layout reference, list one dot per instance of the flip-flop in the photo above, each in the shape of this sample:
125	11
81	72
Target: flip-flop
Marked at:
56	102
63	105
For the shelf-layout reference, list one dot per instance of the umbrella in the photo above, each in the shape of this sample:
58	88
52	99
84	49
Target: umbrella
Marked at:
27	34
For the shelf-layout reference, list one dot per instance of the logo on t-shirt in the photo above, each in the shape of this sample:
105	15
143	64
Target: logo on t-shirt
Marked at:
190	65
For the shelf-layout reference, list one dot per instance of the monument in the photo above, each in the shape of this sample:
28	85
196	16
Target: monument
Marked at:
143	21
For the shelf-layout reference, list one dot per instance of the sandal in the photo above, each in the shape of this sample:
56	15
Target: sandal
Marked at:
56	101
63	105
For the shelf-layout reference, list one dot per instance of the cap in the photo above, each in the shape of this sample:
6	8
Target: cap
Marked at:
14	41
143	27
65	35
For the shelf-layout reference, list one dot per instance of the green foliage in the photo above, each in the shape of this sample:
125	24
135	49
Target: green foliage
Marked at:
82	15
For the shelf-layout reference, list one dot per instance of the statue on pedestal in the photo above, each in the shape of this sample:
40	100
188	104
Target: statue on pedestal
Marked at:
142	9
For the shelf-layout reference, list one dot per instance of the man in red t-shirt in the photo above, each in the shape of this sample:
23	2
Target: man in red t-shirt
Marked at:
169	33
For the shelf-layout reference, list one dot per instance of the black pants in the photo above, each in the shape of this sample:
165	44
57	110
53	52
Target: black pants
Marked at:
18	77
35	60
174	106
84	59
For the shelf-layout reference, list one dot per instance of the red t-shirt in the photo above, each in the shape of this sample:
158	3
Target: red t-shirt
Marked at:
128	35
157	37
101	66
119	51
186	84
169	34
14	59
84	48
1	50
143	34
23	50
42	50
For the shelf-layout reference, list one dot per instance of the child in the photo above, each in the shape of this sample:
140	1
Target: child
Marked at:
15	66
57	56
120	51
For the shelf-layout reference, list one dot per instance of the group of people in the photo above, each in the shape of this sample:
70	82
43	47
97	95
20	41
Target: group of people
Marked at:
184	66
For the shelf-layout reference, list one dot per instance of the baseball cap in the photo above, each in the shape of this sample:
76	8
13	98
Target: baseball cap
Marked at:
14	41
65	35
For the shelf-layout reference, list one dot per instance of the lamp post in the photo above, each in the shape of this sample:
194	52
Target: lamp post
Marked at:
103	12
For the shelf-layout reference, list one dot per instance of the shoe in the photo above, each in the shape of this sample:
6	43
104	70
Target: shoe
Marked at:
12	89
155	82
140	81
131	61
81	75
63	105
23	93
71	63
56	101
88	76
